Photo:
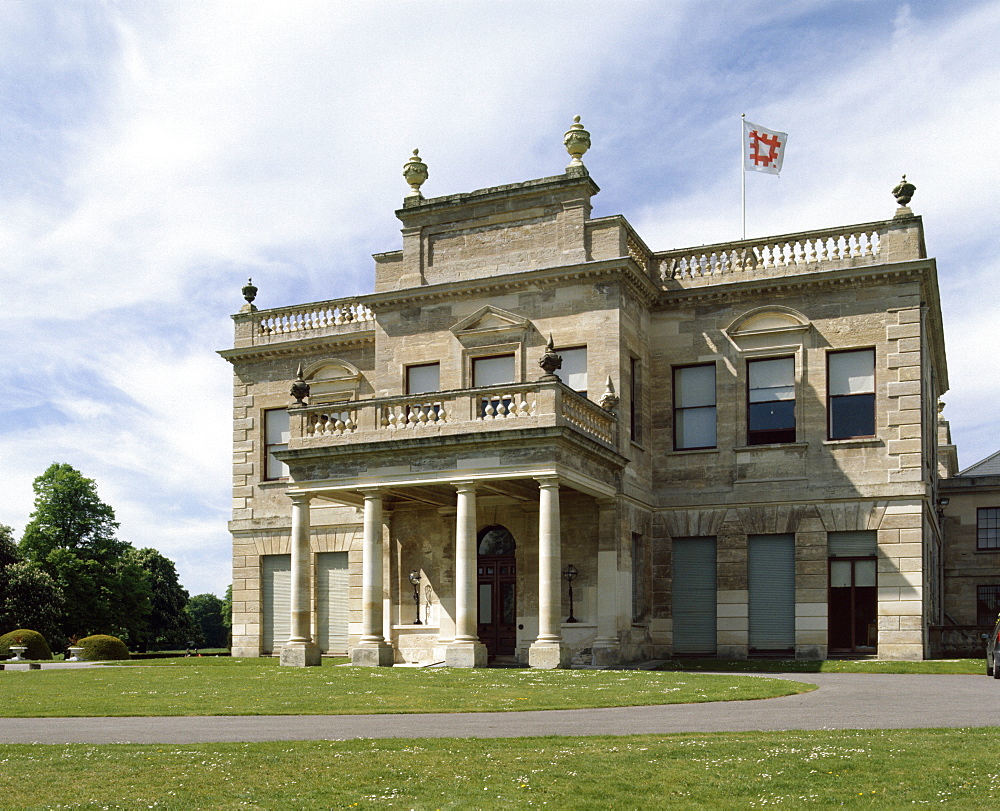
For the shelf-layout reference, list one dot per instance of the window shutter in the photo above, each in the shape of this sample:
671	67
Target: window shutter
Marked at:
331	602
772	592
852	544
276	625
694	596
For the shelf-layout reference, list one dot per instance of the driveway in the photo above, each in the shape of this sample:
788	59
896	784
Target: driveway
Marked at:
843	701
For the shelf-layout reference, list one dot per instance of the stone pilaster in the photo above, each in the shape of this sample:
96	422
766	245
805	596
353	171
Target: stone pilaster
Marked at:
372	650
300	650
607	645
466	650
547	650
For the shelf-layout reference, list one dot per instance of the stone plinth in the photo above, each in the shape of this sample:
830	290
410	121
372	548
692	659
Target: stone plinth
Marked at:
465	654
381	655
547	656
300	654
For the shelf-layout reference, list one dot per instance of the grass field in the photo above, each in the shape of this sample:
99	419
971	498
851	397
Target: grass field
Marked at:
884	769
227	686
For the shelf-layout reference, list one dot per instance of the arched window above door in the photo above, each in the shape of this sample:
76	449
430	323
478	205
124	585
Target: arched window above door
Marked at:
496	540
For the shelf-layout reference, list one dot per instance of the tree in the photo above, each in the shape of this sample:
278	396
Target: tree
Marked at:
71	535
207	611
8	549
30	598
70	515
169	625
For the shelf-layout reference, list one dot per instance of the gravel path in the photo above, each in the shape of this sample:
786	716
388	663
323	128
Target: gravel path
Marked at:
843	701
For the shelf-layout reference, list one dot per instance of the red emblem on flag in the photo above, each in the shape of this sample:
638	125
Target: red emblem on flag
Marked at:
763	149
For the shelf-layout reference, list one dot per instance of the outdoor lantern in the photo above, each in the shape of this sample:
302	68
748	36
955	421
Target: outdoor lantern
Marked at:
415	580
570	574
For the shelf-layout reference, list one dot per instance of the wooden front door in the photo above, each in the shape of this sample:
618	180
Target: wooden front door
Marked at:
497	596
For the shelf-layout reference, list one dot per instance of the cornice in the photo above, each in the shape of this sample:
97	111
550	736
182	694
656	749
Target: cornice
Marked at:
241	354
742	286
505	283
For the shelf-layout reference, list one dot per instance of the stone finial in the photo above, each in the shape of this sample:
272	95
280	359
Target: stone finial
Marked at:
903	192
550	361
249	293
415	173
940	409
609	399
577	141
300	389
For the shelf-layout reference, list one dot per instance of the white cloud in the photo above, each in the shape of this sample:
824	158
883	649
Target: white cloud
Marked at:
158	154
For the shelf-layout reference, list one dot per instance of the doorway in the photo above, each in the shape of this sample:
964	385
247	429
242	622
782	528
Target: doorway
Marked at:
853	605
497	591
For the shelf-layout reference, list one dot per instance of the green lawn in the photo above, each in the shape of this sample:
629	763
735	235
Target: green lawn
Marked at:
226	686
960	667
884	769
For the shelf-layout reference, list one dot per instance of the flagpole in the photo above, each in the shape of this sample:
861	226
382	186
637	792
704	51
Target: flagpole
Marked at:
743	175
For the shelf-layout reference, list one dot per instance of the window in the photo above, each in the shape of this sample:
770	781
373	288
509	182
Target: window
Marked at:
276	433
638	578
694	407
495	370
423	378
851	393
771	401
988	528
635	404
574	368
987	604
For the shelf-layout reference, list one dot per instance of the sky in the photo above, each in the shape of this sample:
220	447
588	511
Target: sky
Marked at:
155	155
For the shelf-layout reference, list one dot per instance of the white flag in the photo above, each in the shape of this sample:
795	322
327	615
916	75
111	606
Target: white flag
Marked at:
763	149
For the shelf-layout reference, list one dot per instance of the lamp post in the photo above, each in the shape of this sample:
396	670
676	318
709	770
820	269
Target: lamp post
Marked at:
570	574
415	580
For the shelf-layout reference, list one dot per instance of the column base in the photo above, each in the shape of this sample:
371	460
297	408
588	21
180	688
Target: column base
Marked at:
465	654
380	655
606	654
548	655
300	654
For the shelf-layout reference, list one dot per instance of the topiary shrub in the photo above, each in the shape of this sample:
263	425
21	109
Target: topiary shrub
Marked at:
38	648
102	648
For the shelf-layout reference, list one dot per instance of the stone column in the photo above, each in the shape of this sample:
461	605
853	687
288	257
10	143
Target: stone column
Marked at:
300	650
372	650
466	650
607	645
547	649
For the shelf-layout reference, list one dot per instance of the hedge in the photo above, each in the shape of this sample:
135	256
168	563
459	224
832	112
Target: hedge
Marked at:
102	648
38	648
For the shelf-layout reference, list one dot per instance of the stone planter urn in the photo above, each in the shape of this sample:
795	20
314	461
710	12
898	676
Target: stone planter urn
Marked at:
74	654
18	651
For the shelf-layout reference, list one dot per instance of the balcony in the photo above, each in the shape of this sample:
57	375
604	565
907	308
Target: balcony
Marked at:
488	410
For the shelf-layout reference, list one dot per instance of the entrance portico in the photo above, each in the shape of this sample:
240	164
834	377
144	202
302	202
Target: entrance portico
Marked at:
528	491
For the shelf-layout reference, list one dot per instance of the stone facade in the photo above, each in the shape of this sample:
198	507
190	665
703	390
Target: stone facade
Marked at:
970	507
398	476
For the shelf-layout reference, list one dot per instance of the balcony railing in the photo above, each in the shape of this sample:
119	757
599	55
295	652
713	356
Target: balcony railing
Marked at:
826	247
487	409
302	321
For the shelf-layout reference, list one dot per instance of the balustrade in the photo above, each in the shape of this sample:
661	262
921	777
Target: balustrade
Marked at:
772	253
542	403
307	317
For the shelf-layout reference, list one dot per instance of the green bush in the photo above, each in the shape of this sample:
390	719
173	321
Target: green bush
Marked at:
38	648
102	648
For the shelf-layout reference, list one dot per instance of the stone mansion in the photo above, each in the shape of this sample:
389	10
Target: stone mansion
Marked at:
541	441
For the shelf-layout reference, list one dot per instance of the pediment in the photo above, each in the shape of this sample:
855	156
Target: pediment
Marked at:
492	320
768	319
331	380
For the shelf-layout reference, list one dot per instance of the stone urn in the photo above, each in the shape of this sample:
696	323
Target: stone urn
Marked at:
74	654
18	651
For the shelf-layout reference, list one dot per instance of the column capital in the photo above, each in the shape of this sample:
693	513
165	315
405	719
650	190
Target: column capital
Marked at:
465	486
301	499
547	481
371	492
